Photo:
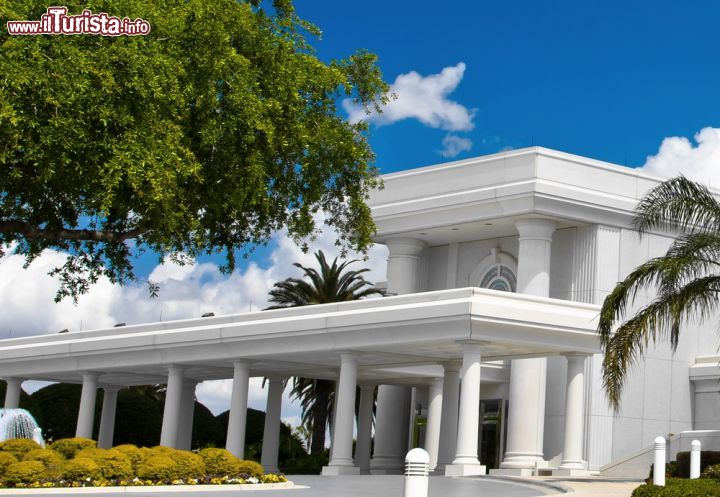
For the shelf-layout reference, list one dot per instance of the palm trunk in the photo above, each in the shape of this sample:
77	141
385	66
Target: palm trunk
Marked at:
320	415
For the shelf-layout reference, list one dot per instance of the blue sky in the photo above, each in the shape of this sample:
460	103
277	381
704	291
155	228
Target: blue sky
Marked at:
608	80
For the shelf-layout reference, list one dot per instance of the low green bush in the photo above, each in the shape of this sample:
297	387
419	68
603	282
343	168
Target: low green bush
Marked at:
220	462
680	487
68	447
159	468
133	453
80	469
711	472
190	465
18	446
6	459
113	464
24	472
310	464
708	458
45	456
250	468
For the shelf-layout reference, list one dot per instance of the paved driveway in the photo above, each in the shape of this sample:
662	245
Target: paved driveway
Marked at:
330	486
392	486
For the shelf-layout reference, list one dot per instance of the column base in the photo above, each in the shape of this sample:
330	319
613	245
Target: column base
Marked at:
465	470
340	470
387	465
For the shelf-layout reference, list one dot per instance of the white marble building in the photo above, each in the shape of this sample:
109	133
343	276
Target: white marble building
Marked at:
497	268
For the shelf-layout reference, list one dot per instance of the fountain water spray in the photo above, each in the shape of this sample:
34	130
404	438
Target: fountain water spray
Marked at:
18	423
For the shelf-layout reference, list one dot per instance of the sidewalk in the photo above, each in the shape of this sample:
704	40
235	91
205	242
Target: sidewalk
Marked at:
592	486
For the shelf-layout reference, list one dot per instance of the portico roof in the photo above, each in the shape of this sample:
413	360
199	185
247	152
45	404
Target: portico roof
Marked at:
481	197
396	338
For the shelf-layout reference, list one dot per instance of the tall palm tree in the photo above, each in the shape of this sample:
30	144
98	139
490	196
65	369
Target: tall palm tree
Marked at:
331	283
686	279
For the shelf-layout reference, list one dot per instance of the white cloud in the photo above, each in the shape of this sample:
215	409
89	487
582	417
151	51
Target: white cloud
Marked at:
699	161
423	98
26	299
454	145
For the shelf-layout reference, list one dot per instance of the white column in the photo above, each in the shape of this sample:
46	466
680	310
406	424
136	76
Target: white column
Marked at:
364	430
171	411
574	403
237	421
86	413
391	430
403	268
12	392
432	428
107	417
187	413
449	416
526	409
271	432
341	462
466	462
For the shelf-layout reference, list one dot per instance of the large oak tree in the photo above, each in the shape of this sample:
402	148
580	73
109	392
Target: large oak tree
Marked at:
205	136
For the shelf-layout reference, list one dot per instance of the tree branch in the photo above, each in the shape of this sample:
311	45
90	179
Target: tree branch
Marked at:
32	232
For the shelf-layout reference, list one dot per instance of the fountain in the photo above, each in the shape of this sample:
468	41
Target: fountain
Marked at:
18	423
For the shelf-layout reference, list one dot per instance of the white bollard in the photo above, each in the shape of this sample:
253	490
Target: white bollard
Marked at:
417	468
659	466
695	459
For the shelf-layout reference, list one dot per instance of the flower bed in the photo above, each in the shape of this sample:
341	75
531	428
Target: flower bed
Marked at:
76	462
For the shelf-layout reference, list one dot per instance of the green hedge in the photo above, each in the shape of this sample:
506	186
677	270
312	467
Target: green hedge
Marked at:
707	458
680	487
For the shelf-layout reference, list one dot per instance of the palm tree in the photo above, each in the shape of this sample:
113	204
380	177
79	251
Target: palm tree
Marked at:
332	283
686	278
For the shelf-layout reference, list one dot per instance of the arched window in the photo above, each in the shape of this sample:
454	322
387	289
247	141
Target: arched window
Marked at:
496	272
499	277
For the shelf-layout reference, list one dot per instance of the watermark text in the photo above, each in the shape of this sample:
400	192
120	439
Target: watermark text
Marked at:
56	21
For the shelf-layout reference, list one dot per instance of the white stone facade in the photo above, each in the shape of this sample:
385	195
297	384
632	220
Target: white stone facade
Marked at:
497	267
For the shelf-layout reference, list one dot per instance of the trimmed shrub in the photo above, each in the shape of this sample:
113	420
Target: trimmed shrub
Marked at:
157	468
680	487
250	468
80	469
68	447
50	459
133	453
708	458
19	446
6	459
24	472
310	464
113	464
45	456
190	465
711	472
220	462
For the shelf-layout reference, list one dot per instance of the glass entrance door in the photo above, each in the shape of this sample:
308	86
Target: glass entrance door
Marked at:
492	433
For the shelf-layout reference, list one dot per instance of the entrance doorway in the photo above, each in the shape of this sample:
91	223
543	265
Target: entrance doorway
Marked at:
493	417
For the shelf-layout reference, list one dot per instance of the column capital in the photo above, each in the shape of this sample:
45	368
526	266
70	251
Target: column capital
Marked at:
176	368
367	386
575	355
472	345
241	363
452	366
275	378
111	388
535	228
90	375
405	246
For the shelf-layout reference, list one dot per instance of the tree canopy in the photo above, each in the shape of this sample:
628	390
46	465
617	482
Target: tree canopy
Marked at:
207	135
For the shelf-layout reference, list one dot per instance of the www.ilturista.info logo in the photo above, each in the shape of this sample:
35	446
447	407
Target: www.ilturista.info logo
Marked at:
56	21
